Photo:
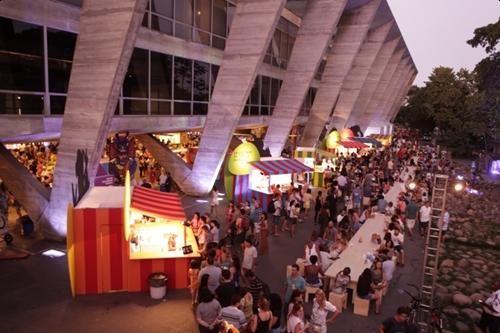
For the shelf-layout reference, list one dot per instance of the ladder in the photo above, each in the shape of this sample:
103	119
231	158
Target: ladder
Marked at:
432	247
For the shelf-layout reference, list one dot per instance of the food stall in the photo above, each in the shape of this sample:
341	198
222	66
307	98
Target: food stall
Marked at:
118	236
385	140
370	142
270	172
349	147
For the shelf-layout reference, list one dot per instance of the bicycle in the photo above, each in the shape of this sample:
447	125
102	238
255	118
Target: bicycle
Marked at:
435	321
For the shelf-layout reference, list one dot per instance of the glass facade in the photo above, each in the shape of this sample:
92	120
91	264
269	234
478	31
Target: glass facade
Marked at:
201	21
280	48
262	97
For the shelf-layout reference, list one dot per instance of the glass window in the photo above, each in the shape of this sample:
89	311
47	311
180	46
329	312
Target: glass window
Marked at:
275	90
254	94
218	43
219	20
214	70
163	7
201	81
182	108
161	108
145	20
183	31
265	93
203	15
161	75
21	56
136	79
20	104
57	104
184	11
231	10
264	110
162	25
201	37
61	47
135	106
200	108
77	3
275	48
182	78
283	49
254	110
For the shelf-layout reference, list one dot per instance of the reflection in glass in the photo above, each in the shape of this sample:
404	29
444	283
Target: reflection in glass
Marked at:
61	46
201	37
20	104
163	7
254	110
219	19
275	90
161	75
136	79
183	31
201	81
202	14
162	25
231	9
182	108
161	108
218	43
57	104
184	11
135	107
254	94
182	78
265	93
213	76
21	56
200	108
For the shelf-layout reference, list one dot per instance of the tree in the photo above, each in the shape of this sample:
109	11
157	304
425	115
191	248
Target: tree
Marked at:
488	81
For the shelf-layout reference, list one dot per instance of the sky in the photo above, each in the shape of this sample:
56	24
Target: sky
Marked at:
436	31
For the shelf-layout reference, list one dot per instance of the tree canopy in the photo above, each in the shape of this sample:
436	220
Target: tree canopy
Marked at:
463	105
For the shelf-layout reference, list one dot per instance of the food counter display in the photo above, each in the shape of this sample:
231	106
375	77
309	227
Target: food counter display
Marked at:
274	171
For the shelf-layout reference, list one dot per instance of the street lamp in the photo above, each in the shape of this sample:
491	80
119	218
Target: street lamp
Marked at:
412	186
458	187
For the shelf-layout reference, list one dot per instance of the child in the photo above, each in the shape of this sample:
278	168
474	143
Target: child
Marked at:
194	270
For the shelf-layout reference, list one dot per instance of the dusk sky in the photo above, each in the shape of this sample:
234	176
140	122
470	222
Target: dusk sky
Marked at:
436	31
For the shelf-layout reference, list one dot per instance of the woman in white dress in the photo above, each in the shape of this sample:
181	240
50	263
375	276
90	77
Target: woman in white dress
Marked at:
294	322
214	202
321	307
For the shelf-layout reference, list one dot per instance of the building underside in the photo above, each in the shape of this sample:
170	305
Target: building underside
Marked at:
78	71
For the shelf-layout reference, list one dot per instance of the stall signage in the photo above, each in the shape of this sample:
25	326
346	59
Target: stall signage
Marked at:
239	162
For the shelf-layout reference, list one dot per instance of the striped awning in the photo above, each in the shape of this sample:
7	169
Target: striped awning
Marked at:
352	144
280	167
156	203
367	140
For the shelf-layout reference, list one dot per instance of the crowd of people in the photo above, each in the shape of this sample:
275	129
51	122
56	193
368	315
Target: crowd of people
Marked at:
355	190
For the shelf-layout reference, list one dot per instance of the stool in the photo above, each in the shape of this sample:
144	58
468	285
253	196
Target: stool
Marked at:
310	290
339	300
361	306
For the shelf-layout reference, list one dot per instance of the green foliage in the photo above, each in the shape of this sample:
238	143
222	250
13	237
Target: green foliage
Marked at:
464	105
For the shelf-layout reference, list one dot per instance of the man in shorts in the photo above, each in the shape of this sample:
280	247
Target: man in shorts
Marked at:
277	214
424	217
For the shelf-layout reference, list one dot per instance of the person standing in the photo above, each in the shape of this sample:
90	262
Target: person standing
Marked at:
321	307
445	221
293	281
264	233
207	312
275	209
411	217
424	217
490	319
317	206
249	256
397	323
214	201
214	273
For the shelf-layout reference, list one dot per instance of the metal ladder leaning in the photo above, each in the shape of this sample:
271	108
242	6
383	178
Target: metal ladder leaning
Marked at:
432	247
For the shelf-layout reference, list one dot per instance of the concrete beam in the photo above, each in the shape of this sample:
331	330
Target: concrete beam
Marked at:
372	81
393	91
357	76
351	32
31	194
402	96
312	40
251	32
378	95
108	29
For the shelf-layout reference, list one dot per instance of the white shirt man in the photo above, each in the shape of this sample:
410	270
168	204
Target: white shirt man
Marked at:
425	213
342	181
445	221
249	256
388	268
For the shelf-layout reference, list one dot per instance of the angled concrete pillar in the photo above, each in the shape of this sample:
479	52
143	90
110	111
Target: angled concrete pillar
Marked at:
31	194
351	32
380	106
372	81
401	96
314	34
251	31
378	95
358	74
394	90
108	29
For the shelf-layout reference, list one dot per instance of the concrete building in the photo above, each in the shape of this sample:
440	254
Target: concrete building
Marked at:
78	74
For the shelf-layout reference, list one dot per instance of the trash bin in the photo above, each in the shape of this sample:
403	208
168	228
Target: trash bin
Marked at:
27	225
157	285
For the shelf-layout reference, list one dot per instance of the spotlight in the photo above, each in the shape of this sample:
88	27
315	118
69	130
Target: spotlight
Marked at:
412	186
459	187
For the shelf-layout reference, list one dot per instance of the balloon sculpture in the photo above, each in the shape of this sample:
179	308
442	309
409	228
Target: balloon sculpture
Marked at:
122	157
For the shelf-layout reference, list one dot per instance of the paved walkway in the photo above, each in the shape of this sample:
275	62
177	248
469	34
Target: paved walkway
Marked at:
35	297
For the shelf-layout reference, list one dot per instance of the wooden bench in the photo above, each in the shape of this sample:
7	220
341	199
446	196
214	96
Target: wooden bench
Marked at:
339	300
361	305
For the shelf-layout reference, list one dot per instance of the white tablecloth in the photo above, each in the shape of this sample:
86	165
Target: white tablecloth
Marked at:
354	256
